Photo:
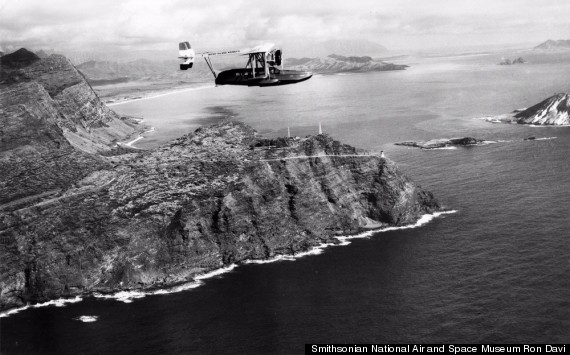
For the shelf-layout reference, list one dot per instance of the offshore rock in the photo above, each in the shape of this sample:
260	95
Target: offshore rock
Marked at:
445	143
218	196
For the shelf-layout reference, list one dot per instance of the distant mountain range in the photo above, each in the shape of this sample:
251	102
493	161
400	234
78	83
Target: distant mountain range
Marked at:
103	72
107	72
340	64
552	44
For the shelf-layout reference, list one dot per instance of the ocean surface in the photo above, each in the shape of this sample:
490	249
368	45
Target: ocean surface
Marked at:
496	271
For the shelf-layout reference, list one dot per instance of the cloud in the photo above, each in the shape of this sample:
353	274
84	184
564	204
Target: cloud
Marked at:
144	24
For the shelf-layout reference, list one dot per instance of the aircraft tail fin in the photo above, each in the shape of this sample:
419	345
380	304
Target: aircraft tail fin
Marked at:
186	52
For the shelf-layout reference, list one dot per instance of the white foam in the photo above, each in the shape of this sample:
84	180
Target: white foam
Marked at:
216	272
130	144
345	240
442	148
13	311
122	296
272	260
141	136
60	302
87	319
544	138
547	125
129	296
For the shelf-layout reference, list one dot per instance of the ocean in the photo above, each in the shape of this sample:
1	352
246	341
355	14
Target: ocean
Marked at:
495	271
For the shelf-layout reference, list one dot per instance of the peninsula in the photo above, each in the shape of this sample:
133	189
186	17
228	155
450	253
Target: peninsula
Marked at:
79	215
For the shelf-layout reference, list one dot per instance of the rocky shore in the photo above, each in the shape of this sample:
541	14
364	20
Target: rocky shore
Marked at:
79	216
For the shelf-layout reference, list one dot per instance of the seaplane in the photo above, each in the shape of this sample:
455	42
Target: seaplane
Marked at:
264	66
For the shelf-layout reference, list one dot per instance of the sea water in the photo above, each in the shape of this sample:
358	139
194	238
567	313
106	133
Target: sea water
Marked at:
496	271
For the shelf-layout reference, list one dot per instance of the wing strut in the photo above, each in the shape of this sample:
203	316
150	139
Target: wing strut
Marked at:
209	62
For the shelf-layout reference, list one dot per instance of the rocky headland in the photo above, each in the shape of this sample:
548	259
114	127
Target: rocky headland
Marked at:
554	111
80	218
445	143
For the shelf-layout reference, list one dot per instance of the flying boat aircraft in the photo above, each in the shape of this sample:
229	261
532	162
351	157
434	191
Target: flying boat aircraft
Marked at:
264	66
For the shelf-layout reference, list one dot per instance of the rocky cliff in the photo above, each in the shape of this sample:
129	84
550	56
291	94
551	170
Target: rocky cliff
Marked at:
50	120
208	199
63	91
76	220
552	111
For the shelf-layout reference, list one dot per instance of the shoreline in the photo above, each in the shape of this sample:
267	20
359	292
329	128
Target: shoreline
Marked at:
127	96
127	296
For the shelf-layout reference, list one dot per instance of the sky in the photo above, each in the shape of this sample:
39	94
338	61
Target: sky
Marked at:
400	25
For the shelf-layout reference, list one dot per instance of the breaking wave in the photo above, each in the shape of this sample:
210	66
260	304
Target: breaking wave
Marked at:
60	302
129	296
87	319
345	240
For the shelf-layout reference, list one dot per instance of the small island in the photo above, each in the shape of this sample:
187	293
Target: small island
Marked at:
553	111
507	61
445	143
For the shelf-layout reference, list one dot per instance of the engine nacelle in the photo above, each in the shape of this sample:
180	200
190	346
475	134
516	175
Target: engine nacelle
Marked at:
274	57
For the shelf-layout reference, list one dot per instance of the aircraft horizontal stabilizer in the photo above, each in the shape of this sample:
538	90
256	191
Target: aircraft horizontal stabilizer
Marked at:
187	53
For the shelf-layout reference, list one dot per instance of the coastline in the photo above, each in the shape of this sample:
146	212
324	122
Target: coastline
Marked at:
118	94
127	296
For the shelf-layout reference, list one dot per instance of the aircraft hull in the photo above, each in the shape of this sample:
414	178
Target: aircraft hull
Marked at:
276	77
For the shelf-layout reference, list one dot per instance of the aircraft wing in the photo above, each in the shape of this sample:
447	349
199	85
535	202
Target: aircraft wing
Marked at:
263	48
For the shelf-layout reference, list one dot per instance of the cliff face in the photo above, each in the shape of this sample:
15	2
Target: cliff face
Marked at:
203	201
552	111
73	106
50	120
